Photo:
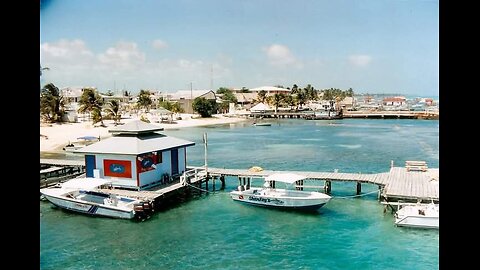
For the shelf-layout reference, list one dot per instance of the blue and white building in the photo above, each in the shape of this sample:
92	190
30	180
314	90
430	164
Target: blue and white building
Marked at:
136	156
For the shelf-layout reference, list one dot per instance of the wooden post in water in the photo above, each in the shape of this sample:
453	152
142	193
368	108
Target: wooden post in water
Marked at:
359	188
206	181
379	192
248	183
239	180
222	180
213	182
328	186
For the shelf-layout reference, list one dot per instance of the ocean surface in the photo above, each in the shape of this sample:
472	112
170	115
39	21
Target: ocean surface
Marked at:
210	231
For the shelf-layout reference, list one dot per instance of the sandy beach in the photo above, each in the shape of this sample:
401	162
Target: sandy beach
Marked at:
53	137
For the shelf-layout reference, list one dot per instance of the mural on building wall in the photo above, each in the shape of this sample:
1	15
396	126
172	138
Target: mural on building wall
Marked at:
118	168
146	162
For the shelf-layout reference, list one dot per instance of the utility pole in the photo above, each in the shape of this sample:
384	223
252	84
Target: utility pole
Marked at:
191	90
211	78
44	68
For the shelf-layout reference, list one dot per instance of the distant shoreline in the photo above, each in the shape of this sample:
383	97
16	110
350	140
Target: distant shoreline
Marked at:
53	137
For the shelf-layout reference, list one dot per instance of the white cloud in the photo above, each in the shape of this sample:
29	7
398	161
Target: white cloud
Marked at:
360	60
66	51
159	44
280	56
72	63
124	55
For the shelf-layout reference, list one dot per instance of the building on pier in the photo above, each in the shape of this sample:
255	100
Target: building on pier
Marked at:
136	156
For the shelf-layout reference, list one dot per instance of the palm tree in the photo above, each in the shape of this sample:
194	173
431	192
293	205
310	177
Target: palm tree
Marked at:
113	111
294	89
277	100
262	95
91	102
144	99
51	103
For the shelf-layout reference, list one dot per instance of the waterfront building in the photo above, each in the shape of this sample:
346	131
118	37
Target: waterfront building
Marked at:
136	156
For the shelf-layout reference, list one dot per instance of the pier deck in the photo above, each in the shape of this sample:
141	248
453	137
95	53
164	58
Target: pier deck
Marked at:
397	184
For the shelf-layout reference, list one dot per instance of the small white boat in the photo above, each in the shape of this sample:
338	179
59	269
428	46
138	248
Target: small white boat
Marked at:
418	215
84	195
287	198
263	124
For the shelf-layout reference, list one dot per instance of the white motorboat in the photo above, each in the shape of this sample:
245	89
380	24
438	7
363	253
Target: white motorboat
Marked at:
285	198
85	196
418	215
262	124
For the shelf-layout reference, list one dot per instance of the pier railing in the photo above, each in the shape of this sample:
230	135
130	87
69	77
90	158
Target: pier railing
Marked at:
192	176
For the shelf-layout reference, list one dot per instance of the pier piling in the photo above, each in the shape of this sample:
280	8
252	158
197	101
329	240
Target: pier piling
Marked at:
328	186
359	188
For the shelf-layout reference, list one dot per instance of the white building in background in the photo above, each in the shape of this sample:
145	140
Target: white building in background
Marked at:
271	90
185	98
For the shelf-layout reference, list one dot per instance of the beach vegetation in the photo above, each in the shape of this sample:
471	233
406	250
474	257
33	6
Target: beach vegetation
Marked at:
294	89
245	90
51	104
227	98
262	95
277	100
174	107
113	111
144	100
91	102
204	107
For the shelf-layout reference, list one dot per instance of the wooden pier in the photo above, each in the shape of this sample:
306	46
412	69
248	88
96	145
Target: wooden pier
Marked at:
397	184
391	114
412	183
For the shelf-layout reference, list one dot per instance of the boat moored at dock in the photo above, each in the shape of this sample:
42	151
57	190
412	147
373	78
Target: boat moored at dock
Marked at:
418	215
282	198
84	195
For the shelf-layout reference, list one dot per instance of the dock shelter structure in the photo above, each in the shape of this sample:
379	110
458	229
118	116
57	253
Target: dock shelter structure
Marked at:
136	156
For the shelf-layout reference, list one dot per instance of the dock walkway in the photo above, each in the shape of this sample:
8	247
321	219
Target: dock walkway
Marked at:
398	184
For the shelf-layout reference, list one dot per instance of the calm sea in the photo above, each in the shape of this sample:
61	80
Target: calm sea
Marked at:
213	232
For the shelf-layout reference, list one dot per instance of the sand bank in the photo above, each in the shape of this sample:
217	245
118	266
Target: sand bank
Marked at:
53	137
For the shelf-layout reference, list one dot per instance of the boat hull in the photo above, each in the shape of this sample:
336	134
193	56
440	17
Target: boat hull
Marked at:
90	208
418	222
310	203
418	216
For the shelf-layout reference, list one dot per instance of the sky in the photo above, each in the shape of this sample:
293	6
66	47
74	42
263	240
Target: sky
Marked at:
371	46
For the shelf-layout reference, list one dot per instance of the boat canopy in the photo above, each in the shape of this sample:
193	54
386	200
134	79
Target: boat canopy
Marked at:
85	183
289	178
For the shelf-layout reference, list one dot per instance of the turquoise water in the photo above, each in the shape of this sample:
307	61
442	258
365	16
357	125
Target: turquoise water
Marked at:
213	232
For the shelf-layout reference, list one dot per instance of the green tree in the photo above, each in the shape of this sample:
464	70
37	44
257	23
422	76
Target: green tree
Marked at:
290	101
91	102
113	111
144	100
350	92
51	103
311	93
245	90
171	106
294	89
227	98
277	100
262	95
205	107
301	98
